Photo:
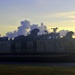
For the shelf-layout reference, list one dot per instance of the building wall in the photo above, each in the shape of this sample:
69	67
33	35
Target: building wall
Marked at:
44	46
18	47
53	46
5	47
30	47
68	45
49	46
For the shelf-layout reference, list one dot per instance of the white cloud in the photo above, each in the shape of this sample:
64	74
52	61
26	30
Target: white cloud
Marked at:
25	28
63	32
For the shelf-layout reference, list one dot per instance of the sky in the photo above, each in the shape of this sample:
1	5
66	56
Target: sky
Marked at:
53	13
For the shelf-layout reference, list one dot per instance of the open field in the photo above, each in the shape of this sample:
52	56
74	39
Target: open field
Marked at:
35	70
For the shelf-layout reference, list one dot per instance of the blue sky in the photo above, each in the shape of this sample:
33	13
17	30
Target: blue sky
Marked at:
53	13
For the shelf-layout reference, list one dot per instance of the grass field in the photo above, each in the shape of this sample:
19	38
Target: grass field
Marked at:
35	70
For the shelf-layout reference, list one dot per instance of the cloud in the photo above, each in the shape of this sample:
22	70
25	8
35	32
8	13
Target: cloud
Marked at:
25	29
42	28
11	34
63	32
33	26
22	30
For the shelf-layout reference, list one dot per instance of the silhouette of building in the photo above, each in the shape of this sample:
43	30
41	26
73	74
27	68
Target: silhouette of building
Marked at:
33	43
5	46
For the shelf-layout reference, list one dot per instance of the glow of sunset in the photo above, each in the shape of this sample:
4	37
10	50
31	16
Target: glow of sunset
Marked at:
53	13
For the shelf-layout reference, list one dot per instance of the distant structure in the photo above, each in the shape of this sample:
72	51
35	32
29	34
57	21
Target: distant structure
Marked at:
50	42
5	45
33	43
